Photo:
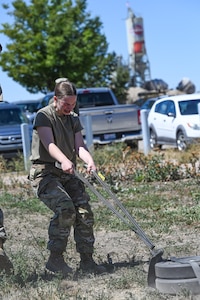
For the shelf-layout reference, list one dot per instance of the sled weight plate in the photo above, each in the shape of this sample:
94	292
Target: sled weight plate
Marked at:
173	287
177	268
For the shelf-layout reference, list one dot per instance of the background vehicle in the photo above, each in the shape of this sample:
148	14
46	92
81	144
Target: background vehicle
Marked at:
147	104
174	121
11	118
111	121
30	107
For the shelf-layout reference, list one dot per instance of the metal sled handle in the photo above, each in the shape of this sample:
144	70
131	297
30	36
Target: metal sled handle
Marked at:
130	217
141	234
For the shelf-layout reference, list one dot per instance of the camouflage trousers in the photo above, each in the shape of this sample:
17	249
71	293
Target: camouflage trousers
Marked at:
65	195
3	235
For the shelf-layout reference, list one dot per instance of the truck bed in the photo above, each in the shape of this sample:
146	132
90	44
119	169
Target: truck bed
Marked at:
110	123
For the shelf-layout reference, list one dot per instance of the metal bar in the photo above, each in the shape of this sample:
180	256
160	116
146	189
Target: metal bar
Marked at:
131	219
109	205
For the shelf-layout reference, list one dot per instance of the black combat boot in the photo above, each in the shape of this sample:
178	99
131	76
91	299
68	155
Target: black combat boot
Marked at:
87	264
5	263
56	264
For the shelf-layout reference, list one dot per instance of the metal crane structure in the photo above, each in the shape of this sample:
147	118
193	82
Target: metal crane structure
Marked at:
138	59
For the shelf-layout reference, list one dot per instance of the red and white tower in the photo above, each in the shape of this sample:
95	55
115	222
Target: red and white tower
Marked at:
138	60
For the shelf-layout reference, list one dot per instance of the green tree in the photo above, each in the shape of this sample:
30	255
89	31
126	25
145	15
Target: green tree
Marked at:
51	39
120	80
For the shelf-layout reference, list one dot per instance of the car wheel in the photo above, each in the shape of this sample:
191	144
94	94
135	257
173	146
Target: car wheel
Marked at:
153	139
181	141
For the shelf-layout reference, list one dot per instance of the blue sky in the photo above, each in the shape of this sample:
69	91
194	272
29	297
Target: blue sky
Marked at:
171	29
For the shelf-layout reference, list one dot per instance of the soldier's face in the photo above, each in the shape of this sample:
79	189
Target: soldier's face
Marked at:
65	104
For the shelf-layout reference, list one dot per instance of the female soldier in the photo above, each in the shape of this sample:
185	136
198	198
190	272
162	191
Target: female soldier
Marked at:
57	139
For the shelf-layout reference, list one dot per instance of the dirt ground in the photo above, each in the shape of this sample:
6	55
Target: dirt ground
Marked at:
127	276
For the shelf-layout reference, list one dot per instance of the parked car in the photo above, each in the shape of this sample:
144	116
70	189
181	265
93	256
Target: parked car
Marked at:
149	102
110	121
175	120
11	118
30	107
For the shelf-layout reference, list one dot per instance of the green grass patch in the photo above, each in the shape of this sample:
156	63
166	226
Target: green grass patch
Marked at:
163	198
31	205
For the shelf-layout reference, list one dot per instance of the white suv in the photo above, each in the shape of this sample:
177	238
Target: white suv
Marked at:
175	120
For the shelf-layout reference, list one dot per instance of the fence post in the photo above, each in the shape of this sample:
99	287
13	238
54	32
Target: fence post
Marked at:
145	131
88	131
26	143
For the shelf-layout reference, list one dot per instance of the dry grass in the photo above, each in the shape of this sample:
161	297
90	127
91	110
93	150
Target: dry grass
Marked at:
169	212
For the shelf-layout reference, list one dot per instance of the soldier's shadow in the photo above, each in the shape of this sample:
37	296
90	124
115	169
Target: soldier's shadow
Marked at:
78	274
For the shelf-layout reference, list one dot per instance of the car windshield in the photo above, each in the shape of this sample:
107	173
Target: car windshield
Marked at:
148	104
31	107
189	107
11	116
88	99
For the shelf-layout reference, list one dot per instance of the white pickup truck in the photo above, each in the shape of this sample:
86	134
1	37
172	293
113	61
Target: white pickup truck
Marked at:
111	121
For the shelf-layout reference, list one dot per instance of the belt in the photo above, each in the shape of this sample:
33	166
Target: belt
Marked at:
39	162
53	168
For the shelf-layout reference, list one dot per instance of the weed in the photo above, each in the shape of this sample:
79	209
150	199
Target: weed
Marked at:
155	169
15	164
8	200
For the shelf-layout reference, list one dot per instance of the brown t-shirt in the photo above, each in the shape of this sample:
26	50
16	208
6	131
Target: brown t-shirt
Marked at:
64	129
